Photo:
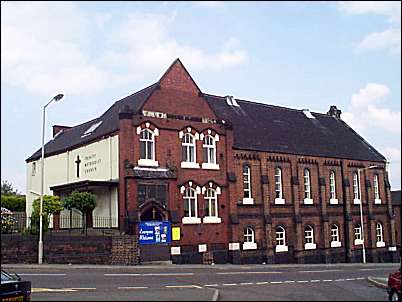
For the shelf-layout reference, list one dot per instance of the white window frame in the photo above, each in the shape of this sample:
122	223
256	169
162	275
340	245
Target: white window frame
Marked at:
307	187
249	239
309	243
278	183
280	239
187	197
356	191
377	199
148	162
358	234
188	146
335	241
212	201
247	180
209	147
34	166
332	188
379	232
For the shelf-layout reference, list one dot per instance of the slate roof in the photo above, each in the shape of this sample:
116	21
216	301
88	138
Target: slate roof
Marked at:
396	198
257	126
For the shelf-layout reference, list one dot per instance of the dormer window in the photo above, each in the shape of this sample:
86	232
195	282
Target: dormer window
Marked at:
91	129
147	135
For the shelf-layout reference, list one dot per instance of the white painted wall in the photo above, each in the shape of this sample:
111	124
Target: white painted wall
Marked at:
99	161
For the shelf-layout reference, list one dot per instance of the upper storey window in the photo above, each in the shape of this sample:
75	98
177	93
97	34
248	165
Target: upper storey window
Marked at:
356	187
209	150
247	199
147	135
278	187
377	199
332	188
189	151
307	187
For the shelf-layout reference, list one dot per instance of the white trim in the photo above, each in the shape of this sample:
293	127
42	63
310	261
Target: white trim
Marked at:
307	201
191	220
189	165
249	246
279	201
392	249
380	244
377	201
211	219
148	162
202	248
356	201
310	246
358	241
281	248
209	166
175	250
336	244
234	246
333	201
248	201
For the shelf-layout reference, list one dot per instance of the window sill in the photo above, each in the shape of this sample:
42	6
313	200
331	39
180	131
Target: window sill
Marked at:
249	246
248	201
333	201
310	246
380	244
189	165
356	201
281	248
307	201
148	163
209	166
358	241
336	244
209	219
279	201
377	201
191	220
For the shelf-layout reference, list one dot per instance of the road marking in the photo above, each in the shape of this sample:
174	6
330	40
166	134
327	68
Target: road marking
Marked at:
229	284
41	290
350	279
42	274
372	269
328	280
83	288
133	287
276	282
337	280
183	286
302	281
360	278
122	274
161	274
241	273
315	280
247	283
323	271
260	283
290	281
210	285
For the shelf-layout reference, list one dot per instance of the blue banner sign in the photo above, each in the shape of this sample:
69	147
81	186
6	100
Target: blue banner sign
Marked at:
155	232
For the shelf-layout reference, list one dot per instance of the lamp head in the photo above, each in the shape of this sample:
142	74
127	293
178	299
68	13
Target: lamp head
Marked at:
58	97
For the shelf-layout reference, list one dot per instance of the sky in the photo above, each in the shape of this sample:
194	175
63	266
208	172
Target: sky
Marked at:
294	54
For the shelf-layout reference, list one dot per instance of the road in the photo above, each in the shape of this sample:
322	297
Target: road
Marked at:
201	282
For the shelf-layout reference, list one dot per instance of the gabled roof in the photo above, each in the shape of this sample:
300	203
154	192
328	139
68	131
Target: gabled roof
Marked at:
263	127
72	137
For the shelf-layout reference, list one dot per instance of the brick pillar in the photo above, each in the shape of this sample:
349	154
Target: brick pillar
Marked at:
324	217
348	221
371	231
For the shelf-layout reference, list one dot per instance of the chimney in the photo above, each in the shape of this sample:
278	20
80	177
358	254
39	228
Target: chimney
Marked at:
57	128
334	112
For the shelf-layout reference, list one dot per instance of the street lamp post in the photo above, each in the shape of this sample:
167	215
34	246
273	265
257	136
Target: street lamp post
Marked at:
42	162
361	207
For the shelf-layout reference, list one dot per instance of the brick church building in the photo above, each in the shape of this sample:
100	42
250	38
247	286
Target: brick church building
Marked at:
245	182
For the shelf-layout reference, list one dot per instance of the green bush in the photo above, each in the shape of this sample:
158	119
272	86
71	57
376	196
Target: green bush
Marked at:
15	203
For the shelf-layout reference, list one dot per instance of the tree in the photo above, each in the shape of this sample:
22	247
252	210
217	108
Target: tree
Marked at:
85	202
15	203
7	188
51	205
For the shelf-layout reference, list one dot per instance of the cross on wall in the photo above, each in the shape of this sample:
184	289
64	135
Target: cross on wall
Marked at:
78	161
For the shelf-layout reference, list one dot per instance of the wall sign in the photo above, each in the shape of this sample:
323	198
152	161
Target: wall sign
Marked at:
155	232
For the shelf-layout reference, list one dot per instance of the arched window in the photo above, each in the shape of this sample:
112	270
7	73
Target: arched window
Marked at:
309	238
379	235
332	188
376	190
247	199
147	150
211	201
307	187
278	184
358	234
281	240
356	185
190	203
209	147
249	239
335	242
188	148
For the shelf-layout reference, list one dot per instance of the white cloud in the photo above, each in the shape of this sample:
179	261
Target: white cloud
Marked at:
209	3
47	47
389	39
371	93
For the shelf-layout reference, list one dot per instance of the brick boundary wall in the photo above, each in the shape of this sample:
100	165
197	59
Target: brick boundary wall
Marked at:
118	250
